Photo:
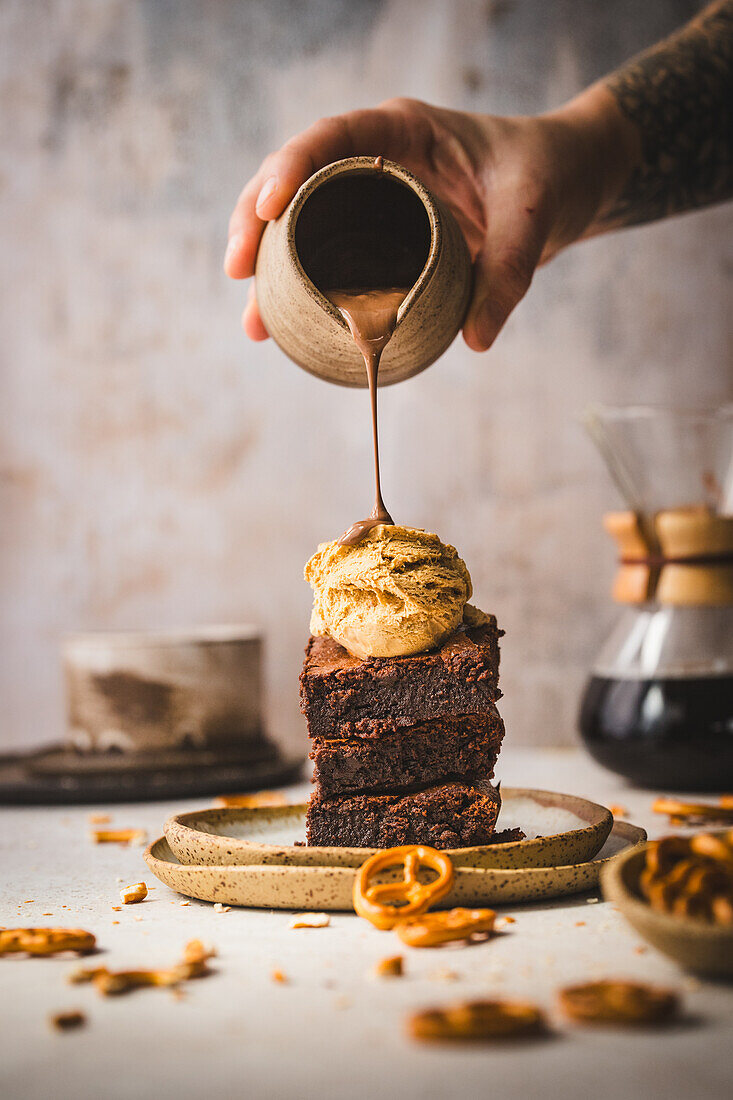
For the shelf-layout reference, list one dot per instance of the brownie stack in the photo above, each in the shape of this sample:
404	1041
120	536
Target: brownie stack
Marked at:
404	747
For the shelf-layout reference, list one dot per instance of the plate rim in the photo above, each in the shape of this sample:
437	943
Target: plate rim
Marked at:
635	836
180	827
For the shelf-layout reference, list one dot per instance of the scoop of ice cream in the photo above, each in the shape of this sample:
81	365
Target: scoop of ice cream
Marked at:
397	591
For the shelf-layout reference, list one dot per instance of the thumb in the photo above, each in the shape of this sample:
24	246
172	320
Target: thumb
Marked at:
503	271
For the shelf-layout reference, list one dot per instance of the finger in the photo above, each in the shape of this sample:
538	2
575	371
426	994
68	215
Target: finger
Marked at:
504	268
245	230
281	174
252	322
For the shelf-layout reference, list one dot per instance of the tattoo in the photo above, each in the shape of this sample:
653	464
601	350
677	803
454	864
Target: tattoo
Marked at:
680	96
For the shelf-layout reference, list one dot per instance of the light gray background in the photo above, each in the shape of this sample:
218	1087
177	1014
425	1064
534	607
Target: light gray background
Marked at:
159	470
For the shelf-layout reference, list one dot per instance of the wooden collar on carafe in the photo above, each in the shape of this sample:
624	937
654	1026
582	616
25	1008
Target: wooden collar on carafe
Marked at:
680	556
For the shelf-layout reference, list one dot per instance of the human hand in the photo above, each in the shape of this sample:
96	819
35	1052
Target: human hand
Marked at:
520	188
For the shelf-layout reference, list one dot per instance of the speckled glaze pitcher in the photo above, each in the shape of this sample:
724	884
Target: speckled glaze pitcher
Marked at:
363	223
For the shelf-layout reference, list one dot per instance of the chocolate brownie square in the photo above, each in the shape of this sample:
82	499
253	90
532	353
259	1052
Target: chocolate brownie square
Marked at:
452	815
342	696
415	756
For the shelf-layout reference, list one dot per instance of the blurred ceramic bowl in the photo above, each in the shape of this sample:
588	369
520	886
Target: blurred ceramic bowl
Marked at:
695	944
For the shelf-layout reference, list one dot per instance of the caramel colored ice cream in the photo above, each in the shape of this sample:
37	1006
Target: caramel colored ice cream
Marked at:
397	591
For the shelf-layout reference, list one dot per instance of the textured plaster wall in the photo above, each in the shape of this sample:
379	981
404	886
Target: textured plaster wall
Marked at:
158	470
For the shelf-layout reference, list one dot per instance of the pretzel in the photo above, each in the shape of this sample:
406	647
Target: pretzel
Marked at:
376	902
618	1002
432	929
476	1020
45	941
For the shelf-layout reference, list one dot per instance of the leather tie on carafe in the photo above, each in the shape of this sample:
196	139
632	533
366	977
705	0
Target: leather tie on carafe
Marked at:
680	556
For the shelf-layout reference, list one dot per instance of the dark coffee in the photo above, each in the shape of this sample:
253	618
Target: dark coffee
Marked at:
665	733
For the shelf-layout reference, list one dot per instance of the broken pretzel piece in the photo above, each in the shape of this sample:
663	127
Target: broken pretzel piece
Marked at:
310	920
473	1021
45	941
111	982
694	813
133	894
257	800
433	929
119	836
618	1002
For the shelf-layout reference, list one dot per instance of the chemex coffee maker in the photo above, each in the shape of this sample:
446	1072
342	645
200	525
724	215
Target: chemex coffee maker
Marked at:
658	707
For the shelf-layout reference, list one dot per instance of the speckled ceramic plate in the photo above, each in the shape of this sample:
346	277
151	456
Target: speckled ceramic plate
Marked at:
265	886
694	944
560	828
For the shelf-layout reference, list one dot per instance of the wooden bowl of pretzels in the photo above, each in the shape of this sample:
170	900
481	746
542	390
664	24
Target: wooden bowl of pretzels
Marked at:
677	893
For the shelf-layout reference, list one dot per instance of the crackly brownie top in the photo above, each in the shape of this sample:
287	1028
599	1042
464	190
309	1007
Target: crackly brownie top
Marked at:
324	656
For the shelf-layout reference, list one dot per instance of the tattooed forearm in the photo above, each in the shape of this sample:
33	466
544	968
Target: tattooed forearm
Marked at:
680	96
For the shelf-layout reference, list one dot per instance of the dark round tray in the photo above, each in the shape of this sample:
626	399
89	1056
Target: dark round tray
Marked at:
57	775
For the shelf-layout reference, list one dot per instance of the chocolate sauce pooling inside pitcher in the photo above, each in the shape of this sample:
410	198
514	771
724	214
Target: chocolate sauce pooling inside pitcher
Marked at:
371	315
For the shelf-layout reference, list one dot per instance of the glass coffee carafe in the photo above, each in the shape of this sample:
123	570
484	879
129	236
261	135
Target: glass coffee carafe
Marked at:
658	707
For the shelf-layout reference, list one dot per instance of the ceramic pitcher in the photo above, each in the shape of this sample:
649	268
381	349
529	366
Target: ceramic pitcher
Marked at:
361	223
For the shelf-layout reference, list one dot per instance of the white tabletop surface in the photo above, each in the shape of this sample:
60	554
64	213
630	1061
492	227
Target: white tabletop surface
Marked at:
333	1031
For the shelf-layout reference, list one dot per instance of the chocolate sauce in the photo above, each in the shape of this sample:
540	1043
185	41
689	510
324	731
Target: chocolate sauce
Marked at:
371	316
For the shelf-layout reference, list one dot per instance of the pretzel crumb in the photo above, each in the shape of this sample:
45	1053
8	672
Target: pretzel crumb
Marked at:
131	895
184	902
618	810
67	1021
219	907
197	952
443	974
310	920
99	819
391	967
279	977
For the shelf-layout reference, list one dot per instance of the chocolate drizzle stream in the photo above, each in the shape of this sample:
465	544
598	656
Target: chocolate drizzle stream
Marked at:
371	315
